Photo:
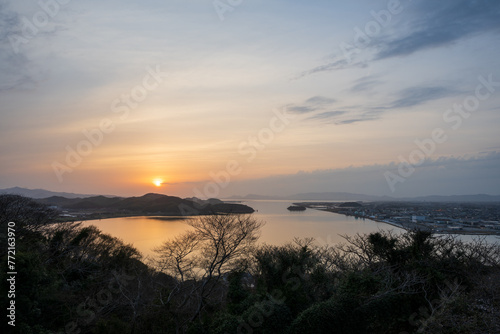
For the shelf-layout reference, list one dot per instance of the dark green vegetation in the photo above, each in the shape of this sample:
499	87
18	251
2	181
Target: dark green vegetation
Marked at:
296	208
214	279
149	204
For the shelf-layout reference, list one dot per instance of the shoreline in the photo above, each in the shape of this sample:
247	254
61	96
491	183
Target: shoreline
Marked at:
413	225
111	216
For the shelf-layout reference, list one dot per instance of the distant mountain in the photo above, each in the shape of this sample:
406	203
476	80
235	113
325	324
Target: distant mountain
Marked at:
41	193
327	196
338	196
147	204
253	196
344	196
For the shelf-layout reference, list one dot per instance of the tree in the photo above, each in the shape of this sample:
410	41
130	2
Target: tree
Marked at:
200	258
70	274
30	217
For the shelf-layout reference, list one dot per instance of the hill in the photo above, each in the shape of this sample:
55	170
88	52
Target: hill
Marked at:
42	193
146	204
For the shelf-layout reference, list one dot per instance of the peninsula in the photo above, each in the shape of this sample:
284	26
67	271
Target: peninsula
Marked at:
438	217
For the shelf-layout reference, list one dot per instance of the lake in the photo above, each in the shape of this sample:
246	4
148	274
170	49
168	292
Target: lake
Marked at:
281	226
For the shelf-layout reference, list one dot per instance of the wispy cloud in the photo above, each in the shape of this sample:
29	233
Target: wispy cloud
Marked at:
437	24
426	25
413	96
365	84
337	64
362	115
319	109
313	104
23	42
363	118
12	66
327	115
320	100
301	109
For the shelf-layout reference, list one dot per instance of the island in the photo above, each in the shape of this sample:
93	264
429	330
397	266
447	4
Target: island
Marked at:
296	208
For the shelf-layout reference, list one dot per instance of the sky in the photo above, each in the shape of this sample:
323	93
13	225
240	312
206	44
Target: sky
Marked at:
230	97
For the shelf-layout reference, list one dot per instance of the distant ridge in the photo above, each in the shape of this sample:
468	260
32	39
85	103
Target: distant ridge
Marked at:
344	196
42	193
327	196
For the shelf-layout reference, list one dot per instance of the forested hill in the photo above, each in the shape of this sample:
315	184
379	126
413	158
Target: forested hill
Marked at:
146	204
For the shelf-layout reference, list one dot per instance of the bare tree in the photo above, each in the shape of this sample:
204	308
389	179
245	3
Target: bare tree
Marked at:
199	258
224	240
176	257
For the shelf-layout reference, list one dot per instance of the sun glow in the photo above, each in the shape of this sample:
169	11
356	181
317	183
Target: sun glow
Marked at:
158	182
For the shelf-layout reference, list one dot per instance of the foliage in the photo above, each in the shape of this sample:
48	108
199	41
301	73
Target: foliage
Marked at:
68	274
215	279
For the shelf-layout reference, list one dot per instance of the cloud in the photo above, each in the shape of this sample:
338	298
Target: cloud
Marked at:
300	109
320	100
437	24
335	117
328	116
13	66
332	66
370	115
312	104
365	84
317	107
413	96
22	49
428	25
476	174
353	120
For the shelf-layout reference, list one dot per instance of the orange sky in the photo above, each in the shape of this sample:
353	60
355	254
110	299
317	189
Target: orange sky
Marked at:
110	96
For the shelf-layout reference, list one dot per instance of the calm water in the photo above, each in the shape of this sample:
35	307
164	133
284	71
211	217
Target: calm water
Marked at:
281	226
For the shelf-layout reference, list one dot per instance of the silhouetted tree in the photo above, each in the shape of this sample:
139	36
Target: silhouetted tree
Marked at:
199	259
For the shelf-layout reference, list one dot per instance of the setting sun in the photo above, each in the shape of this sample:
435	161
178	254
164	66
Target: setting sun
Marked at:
157	182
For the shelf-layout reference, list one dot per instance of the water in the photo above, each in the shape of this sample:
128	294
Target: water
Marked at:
281	226
326	227
144	233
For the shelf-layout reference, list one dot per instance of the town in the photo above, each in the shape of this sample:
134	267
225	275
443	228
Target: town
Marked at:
462	218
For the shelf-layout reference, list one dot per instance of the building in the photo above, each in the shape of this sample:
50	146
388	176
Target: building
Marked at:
417	219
